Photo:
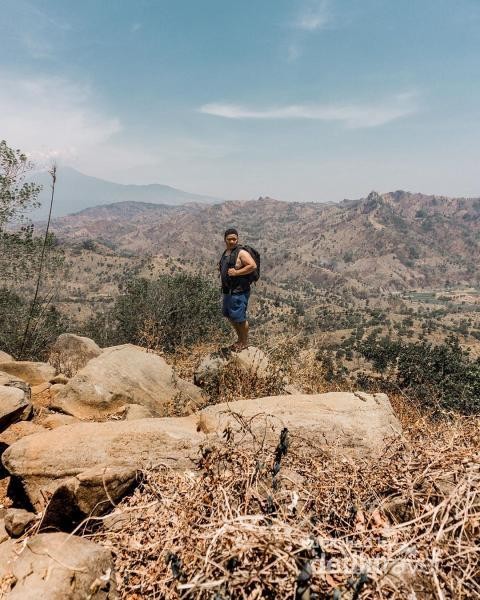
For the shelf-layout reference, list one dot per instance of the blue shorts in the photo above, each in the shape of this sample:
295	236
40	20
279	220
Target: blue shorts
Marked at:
235	306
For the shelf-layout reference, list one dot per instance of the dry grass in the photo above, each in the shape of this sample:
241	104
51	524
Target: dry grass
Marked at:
286	372
402	526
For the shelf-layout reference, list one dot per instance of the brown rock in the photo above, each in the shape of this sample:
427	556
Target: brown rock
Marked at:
55	420
55	388
91	493
4	357
3	532
123	375
33	373
338	422
60	378
19	430
40	388
71	352
14	406
136	411
56	566
45	461
17	521
251	360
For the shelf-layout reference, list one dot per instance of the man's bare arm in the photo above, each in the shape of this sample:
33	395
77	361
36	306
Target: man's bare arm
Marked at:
248	265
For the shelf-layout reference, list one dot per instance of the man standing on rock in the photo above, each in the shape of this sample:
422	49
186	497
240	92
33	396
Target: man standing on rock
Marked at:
236	268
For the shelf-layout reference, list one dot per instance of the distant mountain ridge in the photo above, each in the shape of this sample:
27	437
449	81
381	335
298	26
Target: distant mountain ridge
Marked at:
76	191
389	242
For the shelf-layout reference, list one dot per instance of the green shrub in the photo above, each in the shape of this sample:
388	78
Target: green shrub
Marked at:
441	375
169	312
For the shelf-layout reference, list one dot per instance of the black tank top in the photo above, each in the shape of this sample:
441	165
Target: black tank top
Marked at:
232	285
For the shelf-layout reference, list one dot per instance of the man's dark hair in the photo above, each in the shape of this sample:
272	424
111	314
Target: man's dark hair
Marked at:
231	231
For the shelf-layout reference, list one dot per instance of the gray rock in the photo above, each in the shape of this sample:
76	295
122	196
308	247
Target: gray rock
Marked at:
70	353
124	375
14	406
34	373
251	360
17	521
56	566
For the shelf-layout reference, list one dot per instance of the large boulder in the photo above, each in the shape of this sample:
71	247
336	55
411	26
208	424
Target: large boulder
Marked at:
251	360
125	375
353	424
71	352
33	373
14	406
7	379
4	357
89	494
18	430
3	535
44	462
56	566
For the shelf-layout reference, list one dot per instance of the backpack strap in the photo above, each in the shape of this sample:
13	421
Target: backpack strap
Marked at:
232	260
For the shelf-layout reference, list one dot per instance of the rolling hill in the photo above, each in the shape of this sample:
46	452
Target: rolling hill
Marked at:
390	242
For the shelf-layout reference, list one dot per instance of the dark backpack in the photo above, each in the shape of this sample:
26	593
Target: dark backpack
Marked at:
255	275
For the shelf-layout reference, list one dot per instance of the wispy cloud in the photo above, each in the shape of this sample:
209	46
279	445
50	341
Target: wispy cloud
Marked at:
313	15
351	115
32	28
51	117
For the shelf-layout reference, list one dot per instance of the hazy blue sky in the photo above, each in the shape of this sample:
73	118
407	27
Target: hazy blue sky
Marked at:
299	99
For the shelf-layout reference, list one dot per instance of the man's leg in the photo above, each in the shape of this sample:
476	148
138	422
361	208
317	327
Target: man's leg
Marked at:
242	334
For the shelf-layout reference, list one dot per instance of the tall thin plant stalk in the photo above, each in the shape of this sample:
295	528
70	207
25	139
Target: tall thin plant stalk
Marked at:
53	175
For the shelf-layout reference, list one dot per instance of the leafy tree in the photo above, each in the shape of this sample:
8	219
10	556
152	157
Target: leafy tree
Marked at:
16	195
22	255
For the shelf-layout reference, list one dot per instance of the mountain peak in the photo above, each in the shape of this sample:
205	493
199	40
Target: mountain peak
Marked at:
76	191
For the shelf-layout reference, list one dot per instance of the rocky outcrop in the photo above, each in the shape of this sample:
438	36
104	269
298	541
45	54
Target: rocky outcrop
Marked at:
11	380
3	534
352	424
91	493
124	375
70	353
14	406
44	462
251	360
34	373
136	411
54	420
19	430
17	521
4	357
56	566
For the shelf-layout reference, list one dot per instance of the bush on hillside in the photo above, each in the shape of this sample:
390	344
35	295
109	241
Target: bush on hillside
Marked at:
169	312
48	324
443	374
